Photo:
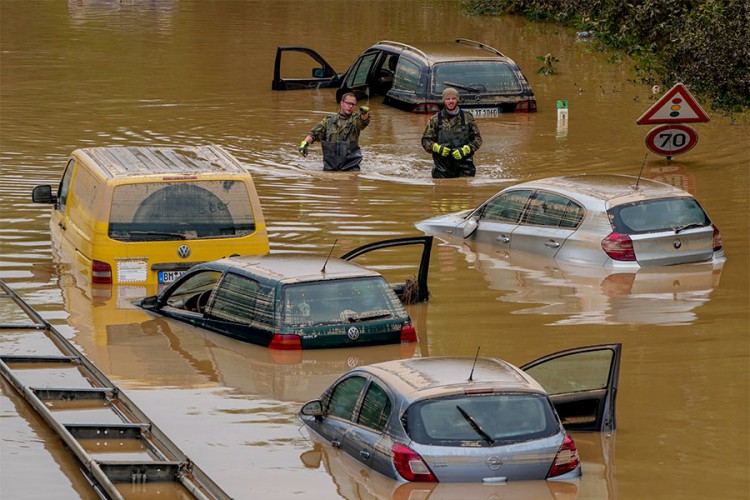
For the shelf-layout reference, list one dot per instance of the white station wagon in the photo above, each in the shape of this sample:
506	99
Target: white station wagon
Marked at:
615	221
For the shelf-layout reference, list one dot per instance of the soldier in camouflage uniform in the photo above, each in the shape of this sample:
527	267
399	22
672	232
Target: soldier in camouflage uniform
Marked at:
452	136
339	136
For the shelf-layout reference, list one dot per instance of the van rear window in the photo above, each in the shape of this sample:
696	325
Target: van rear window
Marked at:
194	210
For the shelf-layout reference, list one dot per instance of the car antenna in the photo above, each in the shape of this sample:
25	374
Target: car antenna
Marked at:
641	172
471	375
329	256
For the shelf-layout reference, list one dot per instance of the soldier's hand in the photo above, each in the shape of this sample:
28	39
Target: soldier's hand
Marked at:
303	148
441	150
462	152
363	110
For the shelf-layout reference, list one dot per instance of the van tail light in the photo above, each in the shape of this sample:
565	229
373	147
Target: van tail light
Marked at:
525	107
566	459
408	333
426	108
101	272
618	247
285	342
411	466
718	245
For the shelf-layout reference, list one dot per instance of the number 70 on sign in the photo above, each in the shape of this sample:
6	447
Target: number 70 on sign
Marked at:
671	140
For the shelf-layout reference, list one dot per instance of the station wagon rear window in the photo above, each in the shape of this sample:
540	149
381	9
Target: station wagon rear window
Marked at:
651	216
334	301
488	420
479	76
162	211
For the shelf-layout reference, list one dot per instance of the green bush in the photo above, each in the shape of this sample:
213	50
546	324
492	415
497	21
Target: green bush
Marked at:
703	43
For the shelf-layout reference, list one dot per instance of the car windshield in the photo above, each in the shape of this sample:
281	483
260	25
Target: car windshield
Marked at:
476	77
339	301
180	211
486	419
651	216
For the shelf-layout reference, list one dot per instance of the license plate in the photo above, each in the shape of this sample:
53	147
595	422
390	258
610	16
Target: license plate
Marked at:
169	276
484	112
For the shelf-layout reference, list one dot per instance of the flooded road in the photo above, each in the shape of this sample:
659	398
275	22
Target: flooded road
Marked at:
96	73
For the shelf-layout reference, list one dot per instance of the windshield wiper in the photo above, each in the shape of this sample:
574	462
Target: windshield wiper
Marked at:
380	313
465	87
688	226
475	425
173	236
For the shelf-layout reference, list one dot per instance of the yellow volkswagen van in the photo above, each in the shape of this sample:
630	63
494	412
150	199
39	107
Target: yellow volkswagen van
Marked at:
144	215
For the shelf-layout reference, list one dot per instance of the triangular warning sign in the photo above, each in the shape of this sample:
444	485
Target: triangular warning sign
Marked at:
676	106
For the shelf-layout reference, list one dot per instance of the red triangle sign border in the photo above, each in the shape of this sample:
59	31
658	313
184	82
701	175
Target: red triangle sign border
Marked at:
649	117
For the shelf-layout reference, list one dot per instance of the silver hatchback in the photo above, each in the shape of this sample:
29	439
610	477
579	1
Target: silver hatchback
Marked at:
459	419
614	221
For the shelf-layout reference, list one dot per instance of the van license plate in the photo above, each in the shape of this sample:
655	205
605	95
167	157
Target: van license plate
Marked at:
169	276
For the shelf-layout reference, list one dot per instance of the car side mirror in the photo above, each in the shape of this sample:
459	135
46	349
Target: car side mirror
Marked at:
149	302
43	194
318	72
470	226
312	408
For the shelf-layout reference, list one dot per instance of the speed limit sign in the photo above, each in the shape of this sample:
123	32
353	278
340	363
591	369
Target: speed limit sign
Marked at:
671	139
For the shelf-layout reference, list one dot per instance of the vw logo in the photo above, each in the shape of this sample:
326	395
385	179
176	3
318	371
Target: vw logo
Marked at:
183	251
353	333
494	463
677	243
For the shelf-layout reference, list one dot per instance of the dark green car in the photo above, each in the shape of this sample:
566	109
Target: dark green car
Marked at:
291	301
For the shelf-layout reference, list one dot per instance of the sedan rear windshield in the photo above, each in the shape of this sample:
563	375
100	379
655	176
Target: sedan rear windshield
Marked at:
487	420
340	301
652	216
161	211
476	77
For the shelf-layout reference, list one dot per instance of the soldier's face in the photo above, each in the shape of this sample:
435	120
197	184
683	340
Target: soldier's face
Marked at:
450	103
348	104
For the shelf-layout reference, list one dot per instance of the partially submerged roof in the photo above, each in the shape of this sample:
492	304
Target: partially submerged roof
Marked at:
295	268
123	161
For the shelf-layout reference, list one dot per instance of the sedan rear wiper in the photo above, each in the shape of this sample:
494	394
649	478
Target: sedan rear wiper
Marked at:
465	87
475	425
380	313
688	226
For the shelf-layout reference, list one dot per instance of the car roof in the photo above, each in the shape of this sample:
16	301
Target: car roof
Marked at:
437	52
292	268
123	161
420	378
613	189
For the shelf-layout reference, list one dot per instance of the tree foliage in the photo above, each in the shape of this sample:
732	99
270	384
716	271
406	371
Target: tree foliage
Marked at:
703	43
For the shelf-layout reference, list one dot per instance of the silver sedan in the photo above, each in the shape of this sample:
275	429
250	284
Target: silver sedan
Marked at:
614	221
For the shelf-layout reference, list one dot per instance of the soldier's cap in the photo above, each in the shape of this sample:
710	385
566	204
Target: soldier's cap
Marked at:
450	92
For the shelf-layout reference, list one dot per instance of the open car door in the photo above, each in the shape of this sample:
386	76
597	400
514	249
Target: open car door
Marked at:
322	75
582	384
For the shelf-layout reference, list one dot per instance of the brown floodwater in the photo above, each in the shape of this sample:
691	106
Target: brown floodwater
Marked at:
92	73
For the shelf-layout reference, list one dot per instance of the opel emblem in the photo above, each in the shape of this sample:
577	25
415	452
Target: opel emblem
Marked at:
183	251
677	244
494	463
353	333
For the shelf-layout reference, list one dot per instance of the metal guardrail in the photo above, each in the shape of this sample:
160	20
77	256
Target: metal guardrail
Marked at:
123	426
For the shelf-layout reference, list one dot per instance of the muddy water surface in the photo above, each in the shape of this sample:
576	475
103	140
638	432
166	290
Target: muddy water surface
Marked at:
86	73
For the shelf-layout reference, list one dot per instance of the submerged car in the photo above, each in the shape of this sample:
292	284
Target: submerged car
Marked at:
413	77
615	221
292	301
462	419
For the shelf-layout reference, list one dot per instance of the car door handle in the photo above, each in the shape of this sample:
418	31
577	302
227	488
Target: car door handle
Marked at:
364	454
551	244
336	444
503	239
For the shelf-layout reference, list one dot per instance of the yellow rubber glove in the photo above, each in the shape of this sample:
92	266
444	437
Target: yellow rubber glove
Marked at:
441	150
303	148
462	152
363	110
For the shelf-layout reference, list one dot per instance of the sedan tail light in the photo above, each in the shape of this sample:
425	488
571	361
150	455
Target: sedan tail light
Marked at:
410	465
101	272
408	333
285	342
618	247
566	459
718	245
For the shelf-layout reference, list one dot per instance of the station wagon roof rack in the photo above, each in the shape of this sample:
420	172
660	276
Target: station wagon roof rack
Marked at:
480	45
402	46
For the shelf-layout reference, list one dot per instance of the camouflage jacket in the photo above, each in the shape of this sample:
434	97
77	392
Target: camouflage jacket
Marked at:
336	127
452	124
